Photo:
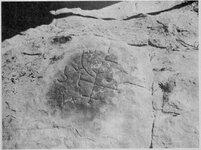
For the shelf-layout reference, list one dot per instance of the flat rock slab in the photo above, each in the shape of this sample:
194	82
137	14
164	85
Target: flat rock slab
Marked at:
122	10
92	83
92	92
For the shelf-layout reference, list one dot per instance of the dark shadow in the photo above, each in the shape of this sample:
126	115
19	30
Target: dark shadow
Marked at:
108	18
64	15
20	16
136	16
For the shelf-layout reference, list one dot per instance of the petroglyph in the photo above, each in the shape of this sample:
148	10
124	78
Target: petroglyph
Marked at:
87	81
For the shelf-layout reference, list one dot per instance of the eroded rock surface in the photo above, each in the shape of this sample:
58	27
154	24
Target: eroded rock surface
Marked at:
87	81
123	10
83	82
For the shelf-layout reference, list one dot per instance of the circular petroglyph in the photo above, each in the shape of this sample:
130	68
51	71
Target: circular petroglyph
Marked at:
86	83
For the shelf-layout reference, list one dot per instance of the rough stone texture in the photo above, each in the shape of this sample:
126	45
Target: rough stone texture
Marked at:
123	10
92	83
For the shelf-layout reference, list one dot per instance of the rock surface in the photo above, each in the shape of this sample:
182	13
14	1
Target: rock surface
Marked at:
123	10
83	82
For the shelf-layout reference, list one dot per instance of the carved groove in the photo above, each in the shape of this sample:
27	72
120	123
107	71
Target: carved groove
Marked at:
87	81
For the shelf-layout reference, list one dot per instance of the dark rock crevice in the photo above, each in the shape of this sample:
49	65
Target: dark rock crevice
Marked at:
64	15
138	45
152	132
154	117
153	43
141	15
172	8
187	45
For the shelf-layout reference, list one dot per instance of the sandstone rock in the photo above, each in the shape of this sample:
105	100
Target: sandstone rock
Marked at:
122	10
92	83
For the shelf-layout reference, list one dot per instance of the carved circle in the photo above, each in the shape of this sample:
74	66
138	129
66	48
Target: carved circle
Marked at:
87	82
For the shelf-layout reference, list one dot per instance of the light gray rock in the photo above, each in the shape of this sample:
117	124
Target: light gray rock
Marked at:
122	10
92	83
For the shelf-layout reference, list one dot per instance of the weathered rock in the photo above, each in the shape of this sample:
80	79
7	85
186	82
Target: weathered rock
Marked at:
123	10
105	84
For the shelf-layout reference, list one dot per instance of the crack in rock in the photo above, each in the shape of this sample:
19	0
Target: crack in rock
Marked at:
136	11
183	4
152	132
187	45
